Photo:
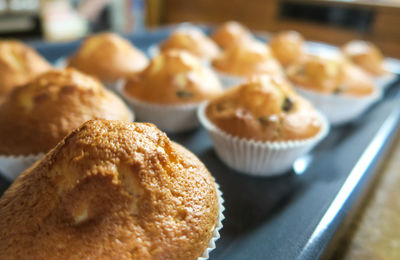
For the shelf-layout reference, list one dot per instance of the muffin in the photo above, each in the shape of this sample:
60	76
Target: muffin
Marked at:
19	63
262	126
243	60
192	40
287	47
111	190
109	57
366	55
231	33
36	116
337	87
170	89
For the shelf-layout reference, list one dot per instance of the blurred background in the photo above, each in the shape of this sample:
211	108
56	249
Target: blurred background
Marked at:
332	21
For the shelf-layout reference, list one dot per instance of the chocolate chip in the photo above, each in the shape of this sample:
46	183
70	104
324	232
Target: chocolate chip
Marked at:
287	104
184	94
338	90
263	120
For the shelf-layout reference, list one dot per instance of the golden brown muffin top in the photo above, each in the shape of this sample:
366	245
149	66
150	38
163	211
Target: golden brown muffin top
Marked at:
231	33
192	40
366	55
110	190
264	109
108	57
287	47
19	63
244	59
331	76
36	116
174	77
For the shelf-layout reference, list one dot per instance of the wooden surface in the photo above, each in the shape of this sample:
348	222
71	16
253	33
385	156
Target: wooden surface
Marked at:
375	232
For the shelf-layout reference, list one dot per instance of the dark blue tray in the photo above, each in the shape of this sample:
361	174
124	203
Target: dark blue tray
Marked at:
297	215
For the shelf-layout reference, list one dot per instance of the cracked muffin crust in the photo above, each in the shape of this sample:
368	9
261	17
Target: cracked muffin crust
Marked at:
231	33
110	190
264	109
192	40
174	77
36	116
19	63
330	76
108	57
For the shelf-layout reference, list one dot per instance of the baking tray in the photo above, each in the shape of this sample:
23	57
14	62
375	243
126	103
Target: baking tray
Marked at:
294	216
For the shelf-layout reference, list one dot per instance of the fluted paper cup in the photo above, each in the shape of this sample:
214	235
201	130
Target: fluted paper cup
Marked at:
169	118
218	226
384	81
256	157
11	166
340	109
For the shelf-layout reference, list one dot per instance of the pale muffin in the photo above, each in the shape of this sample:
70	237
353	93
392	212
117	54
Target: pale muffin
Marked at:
288	47
231	33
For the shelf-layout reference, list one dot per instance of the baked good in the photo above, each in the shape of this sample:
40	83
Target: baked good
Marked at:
366	55
330	76
19	63
287	47
264	109
245	59
174	77
36	116
110	190
192	40
231	33
108	57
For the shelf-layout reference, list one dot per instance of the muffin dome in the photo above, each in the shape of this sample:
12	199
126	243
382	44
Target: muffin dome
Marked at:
331	76
231	33
110	190
264	109
36	116
192	40
248	58
366	55
19	63
108	57
287	47
174	77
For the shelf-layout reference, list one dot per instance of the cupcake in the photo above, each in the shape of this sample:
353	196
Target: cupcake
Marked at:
36	116
192	40
231	33
287	47
109	57
338	88
262	126
242	60
170	89
111	190
19	63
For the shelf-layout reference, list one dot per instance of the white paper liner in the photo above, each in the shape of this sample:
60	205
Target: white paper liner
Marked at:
255	157
340	109
384	81
229	80
12	166
168	118
218	226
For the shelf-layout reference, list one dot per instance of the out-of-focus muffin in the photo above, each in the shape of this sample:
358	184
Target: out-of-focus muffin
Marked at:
366	55
265	109
109	57
262	126
288	47
111	190
192	40
231	33
169	91
330	76
36	116
19	63
174	77
245	59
